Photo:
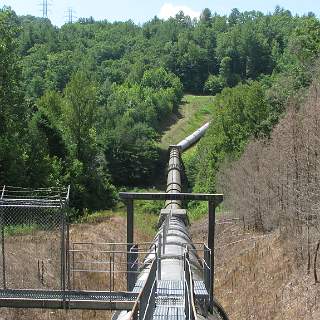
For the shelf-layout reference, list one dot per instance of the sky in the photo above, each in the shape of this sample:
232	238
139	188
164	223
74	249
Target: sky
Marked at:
143	10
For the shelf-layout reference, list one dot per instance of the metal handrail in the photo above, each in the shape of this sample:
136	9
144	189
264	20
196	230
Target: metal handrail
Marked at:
190	308
146	297
3	189
109	260
204	261
104	251
110	243
165	230
150	304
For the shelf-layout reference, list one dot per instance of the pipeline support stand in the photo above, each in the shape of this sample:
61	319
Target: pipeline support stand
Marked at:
211	237
130	215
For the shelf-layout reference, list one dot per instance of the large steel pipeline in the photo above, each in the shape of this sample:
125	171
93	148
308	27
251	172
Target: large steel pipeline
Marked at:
175	221
174	178
174	227
178	236
193	138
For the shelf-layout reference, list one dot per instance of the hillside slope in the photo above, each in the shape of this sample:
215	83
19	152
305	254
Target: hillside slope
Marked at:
257	276
193	112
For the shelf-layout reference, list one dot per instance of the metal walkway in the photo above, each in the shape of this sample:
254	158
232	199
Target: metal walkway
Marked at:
170	299
174	289
168	312
67	299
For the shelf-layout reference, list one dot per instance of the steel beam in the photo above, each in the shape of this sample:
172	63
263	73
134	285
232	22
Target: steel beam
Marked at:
68	304
89	300
130	255
211	236
214	198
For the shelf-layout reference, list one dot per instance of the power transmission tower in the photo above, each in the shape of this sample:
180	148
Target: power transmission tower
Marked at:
70	17
45	5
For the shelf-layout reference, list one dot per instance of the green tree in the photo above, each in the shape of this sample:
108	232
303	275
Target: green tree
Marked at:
206	15
13	115
88	169
79	114
161	79
240	113
234	17
305	41
214	84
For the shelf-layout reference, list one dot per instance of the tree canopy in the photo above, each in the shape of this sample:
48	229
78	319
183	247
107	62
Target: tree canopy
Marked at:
84	104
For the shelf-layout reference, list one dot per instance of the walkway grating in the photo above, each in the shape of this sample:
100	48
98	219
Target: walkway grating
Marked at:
165	312
67	299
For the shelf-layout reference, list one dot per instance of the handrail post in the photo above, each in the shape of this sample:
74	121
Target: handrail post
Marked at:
164	238
2	193
159	257
185	286
68	194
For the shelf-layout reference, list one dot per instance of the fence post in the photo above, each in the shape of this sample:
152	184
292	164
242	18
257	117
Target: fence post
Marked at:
63	253
3	250
68	255
134	264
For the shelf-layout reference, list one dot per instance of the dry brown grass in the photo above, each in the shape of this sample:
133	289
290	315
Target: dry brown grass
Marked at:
257	276
112	229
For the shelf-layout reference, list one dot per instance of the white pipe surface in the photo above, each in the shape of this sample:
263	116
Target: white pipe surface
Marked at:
193	138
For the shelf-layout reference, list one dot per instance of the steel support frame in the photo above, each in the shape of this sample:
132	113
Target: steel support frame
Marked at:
130	239
211	238
213	201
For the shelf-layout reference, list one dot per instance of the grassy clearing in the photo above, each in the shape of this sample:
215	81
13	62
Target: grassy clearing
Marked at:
192	113
97	217
189	153
20	229
145	221
197	211
146	215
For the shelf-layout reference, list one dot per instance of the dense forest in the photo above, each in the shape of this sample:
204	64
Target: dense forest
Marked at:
83	104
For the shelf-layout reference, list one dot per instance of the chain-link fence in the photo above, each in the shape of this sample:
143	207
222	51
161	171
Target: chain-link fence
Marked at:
33	238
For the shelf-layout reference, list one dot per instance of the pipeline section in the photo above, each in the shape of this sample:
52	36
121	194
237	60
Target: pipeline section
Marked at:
173	233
